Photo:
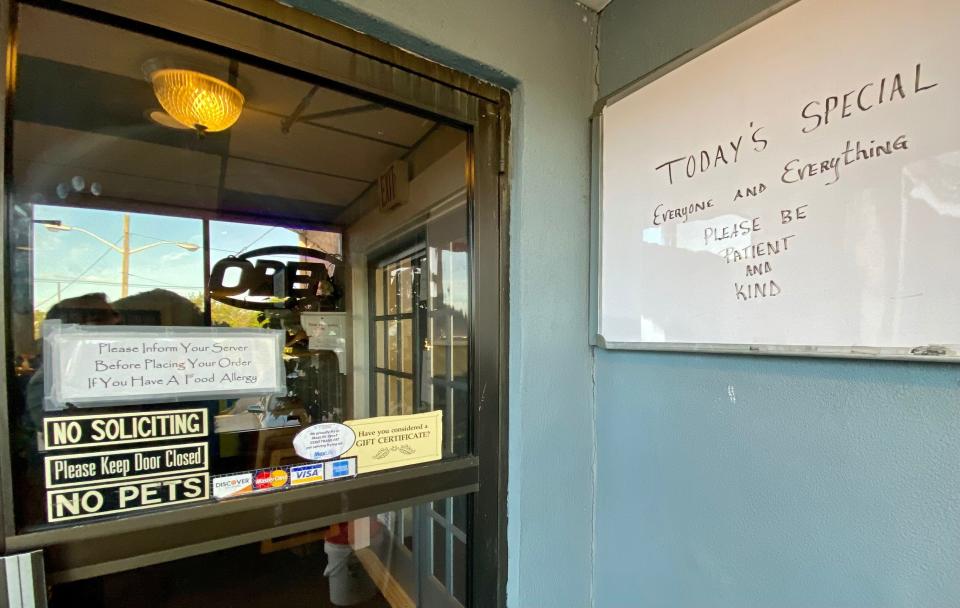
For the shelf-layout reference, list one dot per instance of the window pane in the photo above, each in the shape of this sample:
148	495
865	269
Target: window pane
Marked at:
162	284
380	278
440	345
459	568
129	221
407	388
439	552
381	395
441	401
406	287
380	341
407	346
460	512
353	563
393	346
460	421
392	286
395	396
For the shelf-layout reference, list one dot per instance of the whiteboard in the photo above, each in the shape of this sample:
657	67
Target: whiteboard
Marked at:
793	189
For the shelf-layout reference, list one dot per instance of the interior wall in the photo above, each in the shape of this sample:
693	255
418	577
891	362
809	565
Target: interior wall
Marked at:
543	50
735	481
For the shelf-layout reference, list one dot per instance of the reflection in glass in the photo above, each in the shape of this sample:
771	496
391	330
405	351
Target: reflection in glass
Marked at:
381	341
414	556
393	345
407	346
116	217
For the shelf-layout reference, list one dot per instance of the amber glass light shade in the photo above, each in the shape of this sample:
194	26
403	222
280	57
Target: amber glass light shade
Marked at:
197	100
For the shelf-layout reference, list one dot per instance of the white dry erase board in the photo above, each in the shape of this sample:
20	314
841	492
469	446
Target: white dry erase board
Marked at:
792	189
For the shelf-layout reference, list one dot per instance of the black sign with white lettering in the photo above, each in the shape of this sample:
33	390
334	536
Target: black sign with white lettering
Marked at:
70	432
119	497
139	463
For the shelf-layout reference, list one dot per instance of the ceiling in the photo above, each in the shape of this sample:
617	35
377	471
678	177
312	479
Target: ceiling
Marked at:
81	109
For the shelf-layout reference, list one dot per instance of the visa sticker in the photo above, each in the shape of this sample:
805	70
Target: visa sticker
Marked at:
307	473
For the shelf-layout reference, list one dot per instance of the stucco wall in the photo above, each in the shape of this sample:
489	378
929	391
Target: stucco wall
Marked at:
743	482
544	51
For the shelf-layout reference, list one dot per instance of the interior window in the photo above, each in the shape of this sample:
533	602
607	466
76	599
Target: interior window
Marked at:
398	329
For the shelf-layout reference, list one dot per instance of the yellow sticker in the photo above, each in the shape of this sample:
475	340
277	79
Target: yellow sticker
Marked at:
387	442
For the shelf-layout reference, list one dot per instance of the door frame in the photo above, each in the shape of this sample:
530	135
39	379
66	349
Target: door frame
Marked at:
315	49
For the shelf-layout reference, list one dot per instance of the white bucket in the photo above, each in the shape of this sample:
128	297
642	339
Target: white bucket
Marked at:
349	583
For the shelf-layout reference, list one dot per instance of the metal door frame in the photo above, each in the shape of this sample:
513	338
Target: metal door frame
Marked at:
318	50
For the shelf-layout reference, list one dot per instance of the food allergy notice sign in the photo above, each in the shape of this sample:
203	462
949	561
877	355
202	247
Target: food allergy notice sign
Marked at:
94	365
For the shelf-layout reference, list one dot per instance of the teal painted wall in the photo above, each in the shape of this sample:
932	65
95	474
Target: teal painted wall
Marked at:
726	481
544	51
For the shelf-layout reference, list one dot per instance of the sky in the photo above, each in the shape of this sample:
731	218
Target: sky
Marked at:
80	264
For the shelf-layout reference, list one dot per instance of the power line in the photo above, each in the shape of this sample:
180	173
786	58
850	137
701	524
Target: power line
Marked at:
77	278
93	282
268	231
155	238
157	281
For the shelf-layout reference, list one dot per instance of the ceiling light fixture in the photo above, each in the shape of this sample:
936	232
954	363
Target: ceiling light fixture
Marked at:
159	117
197	100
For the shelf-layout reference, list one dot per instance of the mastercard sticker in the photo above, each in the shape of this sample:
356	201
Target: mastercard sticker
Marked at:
270	479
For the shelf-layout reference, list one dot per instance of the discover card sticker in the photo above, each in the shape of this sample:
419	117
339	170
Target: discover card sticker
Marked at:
228	486
137	463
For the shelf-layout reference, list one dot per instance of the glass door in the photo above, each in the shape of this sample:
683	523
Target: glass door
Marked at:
243	319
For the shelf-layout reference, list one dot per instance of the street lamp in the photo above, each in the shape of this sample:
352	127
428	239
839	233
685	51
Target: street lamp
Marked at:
125	250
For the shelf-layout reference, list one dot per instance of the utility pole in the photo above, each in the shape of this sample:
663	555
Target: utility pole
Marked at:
125	253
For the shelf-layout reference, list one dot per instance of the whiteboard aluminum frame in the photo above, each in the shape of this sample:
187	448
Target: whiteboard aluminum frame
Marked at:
930	353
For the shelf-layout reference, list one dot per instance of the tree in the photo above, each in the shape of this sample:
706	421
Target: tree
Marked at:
224	315
38	317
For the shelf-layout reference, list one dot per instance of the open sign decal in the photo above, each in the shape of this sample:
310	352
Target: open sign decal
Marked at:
289	284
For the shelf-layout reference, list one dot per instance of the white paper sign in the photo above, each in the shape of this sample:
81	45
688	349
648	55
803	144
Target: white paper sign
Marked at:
327	332
324	441
95	365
